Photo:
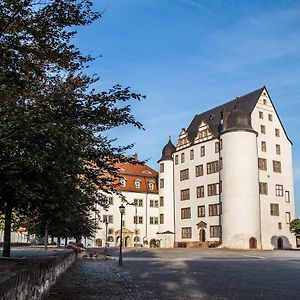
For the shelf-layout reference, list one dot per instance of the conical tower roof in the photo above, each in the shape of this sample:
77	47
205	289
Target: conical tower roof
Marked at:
167	151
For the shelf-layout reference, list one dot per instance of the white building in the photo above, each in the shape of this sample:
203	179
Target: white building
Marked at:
141	201
229	179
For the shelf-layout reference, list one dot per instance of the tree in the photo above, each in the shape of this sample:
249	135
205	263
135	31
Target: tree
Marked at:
52	121
295	227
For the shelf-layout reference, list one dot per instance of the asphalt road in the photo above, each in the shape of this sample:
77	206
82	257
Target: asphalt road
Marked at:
213	273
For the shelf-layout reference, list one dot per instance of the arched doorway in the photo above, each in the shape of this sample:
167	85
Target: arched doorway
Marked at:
280	243
202	235
252	243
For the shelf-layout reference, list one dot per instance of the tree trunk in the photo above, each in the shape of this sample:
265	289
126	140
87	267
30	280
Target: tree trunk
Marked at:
46	238
66	241
52	240
7	231
58	242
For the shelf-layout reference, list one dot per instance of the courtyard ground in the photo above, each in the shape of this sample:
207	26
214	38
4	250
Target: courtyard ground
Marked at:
183	274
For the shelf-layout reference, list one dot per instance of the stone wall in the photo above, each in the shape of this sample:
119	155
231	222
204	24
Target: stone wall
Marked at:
36	279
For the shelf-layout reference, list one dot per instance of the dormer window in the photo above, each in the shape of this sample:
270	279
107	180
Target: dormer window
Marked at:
123	182
137	184
151	186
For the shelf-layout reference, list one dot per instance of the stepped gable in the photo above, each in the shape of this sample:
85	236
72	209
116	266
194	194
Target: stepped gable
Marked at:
213	117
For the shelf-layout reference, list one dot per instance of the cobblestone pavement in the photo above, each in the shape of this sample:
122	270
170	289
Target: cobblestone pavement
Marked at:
94	279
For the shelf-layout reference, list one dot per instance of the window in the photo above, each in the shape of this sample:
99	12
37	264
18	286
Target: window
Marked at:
138	202
186	232
200	191
263	188
161	201
110	231
110	238
279	190
212	167
186	213
276	166
263	146
202	151
176	159
214	210
108	219
182	157
213	189
201	211
274	209
137	232
138	220
153	220
110	200
221	163
185	194
153	203
287	196
151	186
288	217
262	129
214	231
279	226
123	182
161	168
137	184
161	219
136	239
265	101
262	164
192	154
278	151
199	170
161	183
261	115
277	132
184	174
270	117
217	147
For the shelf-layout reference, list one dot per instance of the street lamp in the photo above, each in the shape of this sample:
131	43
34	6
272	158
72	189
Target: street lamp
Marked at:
122	211
106	224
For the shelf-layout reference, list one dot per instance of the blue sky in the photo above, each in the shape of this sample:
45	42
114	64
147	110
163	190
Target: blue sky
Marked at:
188	56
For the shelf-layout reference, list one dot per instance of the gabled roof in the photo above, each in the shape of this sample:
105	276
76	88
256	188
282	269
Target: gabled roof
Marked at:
213	117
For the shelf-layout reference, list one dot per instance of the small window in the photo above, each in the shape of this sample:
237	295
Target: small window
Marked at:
201	211
161	219
123	182
199	170
202	151
200	191
214	231
137	184
176	159
277	132
262	129
186	213
270	117
161	201
151	186
213	189
217	147
214	209
287	196
288	217
279	226
182	157
186	232
161	168
161	183
263	146
185	194
276	166
153	220
278	150
274	209
184	174
279	190
191	154
262	164
221	163
263	188
110	200
261	115
212	167
265	101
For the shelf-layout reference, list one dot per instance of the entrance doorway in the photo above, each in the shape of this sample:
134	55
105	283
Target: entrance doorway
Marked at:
202	235
280	243
252	243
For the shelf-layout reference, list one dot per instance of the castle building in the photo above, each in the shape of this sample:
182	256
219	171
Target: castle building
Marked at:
229	179
138	192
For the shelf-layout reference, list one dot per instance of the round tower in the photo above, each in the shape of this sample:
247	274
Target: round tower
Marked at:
166	196
240	219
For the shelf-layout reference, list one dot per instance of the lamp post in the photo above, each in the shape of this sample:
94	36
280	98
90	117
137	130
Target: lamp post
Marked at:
106	224
122	210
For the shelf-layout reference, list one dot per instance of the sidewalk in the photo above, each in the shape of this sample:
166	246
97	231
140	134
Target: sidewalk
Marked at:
94	279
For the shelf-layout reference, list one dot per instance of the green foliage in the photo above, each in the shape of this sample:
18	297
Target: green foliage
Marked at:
295	227
54	156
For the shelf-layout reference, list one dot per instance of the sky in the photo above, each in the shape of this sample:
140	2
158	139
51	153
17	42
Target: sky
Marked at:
188	56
